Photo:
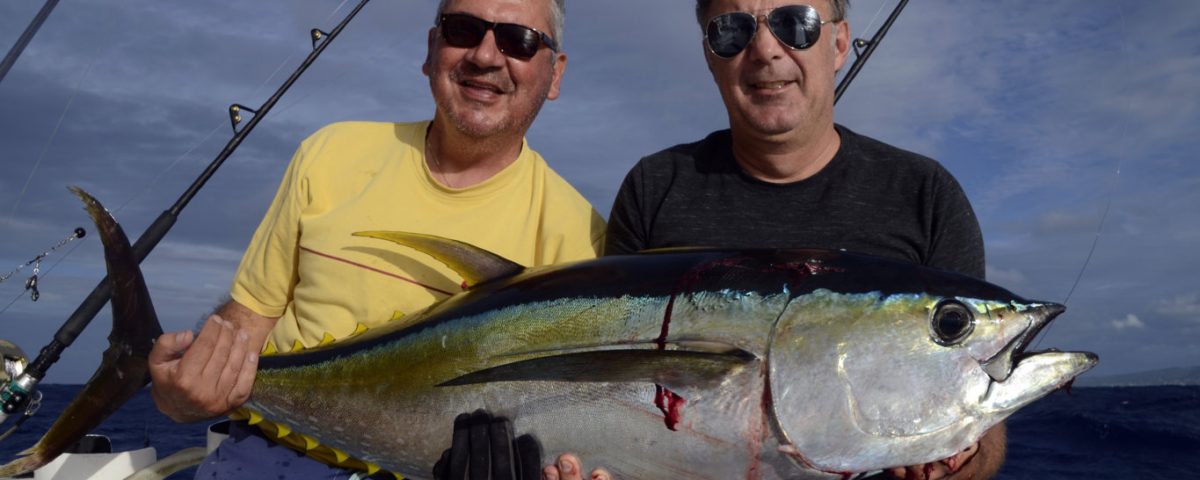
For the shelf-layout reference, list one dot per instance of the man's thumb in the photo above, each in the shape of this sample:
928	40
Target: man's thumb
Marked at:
170	346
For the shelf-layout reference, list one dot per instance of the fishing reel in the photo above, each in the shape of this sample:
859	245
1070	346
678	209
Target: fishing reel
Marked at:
18	391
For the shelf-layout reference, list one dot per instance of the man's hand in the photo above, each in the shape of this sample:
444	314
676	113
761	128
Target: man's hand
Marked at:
979	461
200	377
568	467
483	448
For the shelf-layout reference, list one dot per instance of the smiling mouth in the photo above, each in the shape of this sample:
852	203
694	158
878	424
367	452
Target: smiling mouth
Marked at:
487	87
779	85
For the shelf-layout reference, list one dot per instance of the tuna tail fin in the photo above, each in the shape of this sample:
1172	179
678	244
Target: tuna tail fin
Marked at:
123	368
475	265
134	320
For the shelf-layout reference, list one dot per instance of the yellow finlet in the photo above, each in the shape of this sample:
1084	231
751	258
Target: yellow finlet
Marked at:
255	418
396	315
282	430
372	468
309	442
327	339
269	349
297	347
339	455
362	328
239	414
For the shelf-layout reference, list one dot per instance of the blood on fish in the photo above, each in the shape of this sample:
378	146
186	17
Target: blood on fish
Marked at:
670	404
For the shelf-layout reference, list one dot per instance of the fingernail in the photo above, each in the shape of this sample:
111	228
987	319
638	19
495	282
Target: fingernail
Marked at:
181	336
566	467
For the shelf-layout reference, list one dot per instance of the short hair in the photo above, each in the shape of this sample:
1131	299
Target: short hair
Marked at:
839	7
558	12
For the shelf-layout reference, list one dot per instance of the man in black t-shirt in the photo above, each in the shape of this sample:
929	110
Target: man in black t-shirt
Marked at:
784	175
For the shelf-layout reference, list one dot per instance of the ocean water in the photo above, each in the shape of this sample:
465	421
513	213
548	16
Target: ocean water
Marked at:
1126	433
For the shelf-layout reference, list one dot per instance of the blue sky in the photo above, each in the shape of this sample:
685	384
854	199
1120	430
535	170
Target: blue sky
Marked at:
1048	113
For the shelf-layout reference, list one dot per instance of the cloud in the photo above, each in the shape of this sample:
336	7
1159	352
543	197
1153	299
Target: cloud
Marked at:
1130	321
1033	115
1185	305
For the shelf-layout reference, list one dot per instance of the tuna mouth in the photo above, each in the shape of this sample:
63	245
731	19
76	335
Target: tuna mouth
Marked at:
1000	366
1021	376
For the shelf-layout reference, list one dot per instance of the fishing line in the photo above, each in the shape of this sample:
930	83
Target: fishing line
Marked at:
31	283
1114	185
876	17
54	134
46	274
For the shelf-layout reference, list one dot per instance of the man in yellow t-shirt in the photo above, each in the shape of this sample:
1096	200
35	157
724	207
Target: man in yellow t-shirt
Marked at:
467	174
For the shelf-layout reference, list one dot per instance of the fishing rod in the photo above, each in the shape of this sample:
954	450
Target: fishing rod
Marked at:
25	37
861	56
17	393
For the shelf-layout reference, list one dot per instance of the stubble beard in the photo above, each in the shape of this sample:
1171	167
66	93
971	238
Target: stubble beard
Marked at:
484	130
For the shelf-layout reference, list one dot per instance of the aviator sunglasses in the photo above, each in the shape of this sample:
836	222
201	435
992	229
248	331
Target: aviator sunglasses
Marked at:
517	41
797	26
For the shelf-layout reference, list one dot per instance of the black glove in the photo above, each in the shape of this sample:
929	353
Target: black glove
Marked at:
483	449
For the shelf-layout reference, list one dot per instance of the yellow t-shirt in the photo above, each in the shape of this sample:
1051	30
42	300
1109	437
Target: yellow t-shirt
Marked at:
304	266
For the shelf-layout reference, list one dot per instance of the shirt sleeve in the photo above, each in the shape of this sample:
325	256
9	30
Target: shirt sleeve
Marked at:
267	276
626	233
957	243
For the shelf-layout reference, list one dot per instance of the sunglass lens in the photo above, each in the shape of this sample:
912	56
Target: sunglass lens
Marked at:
517	41
797	26
730	33
462	31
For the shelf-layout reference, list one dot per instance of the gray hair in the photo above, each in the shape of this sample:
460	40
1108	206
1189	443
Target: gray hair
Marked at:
558	12
839	7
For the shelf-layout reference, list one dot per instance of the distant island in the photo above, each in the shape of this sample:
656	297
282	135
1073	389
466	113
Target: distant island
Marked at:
1179	376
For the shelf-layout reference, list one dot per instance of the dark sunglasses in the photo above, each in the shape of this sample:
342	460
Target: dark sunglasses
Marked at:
517	41
797	26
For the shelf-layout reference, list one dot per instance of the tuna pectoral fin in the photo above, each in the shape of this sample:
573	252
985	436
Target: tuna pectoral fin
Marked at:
123	368
670	368
475	265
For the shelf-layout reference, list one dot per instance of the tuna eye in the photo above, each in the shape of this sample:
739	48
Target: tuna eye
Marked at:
952	322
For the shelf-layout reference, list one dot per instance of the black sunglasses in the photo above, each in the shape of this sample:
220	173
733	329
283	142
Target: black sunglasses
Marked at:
797	26
517	41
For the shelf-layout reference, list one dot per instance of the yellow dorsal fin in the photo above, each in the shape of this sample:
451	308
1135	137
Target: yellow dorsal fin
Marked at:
475	265
327	339
282	430
255	418
297	347
362	328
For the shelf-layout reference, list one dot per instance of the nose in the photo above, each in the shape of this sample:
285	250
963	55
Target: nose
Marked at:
487	53
764	46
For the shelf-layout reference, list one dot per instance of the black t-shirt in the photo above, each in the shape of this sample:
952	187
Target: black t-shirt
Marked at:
872	198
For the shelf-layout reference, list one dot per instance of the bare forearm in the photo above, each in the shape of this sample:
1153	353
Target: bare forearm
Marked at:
244	319
200	376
